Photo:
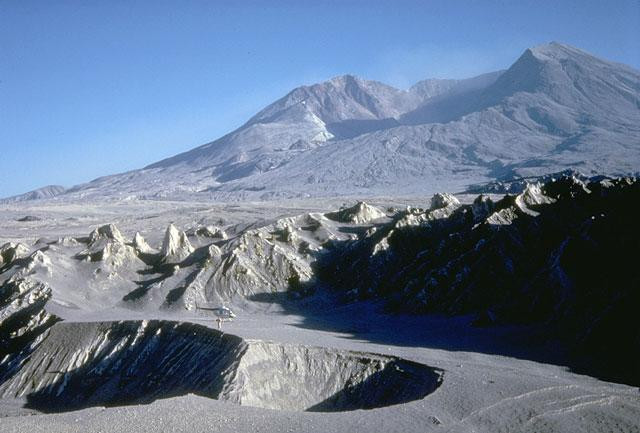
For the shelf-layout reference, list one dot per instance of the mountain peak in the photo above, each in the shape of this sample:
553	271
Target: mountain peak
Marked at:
341	98
345	79
557	50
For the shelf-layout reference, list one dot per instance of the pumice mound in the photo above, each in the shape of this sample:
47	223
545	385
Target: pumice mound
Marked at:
361	213
176	246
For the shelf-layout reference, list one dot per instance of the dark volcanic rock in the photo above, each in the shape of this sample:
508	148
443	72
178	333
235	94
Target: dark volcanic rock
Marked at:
563	255
29	218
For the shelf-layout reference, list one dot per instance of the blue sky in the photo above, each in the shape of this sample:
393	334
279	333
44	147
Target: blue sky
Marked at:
90	88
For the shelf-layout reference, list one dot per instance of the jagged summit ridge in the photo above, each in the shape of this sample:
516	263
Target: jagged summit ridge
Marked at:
342	98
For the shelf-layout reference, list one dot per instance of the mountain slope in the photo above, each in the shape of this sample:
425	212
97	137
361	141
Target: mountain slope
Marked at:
48	191
555	108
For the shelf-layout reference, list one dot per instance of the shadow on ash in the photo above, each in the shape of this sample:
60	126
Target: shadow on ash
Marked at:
79	365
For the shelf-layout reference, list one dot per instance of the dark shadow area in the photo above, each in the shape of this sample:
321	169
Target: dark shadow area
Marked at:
29	218
138	362
163	270
9	260
16	344
143	287
560	286
371	321
176	293
399	382
168	360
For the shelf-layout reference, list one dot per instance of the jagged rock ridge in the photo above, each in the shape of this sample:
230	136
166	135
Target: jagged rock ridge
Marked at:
557	255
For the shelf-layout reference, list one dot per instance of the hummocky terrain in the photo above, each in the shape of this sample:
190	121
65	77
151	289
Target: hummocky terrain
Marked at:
452	314
488	282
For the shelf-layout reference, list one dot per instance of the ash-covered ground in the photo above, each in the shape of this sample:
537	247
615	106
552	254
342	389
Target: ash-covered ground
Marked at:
448	313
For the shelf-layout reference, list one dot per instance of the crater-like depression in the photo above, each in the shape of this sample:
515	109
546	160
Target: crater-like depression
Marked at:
78	365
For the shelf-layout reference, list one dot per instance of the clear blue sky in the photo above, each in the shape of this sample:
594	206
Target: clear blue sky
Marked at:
90	88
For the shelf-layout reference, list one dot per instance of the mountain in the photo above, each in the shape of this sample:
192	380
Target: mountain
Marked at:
555	108
48	191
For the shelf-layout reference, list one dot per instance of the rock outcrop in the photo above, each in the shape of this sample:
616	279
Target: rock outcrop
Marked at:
175	246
